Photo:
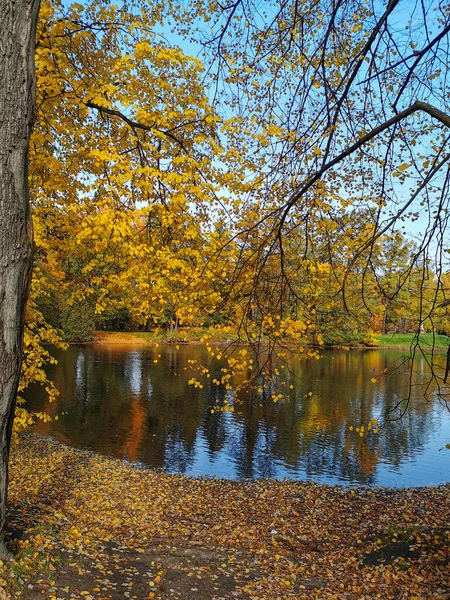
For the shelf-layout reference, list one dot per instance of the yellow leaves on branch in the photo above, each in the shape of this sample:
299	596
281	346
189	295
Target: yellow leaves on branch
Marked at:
38	335
123	179
145	199
400	169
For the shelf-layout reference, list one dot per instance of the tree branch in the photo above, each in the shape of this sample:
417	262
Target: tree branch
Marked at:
417	106
133	124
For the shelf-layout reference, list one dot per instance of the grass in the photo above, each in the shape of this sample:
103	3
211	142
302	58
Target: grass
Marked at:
404	340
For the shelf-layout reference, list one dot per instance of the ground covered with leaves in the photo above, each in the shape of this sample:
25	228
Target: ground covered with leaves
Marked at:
86	526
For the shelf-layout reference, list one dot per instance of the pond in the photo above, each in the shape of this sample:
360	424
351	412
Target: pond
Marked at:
134	403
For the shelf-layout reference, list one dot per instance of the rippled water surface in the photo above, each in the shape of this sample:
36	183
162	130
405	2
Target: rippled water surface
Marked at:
118	401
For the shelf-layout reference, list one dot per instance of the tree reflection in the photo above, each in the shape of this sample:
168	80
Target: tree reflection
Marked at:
135	403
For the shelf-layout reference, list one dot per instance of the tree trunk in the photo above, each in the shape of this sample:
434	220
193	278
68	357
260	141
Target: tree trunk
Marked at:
385	321
17	96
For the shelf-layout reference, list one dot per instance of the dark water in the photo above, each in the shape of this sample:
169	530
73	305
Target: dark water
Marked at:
117	401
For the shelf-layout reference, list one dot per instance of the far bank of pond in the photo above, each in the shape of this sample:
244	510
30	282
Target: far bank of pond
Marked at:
133	401
196	334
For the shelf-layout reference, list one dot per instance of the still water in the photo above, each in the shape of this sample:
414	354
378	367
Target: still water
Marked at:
118	401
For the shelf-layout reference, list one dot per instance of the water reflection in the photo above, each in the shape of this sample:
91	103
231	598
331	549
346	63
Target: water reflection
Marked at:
117	400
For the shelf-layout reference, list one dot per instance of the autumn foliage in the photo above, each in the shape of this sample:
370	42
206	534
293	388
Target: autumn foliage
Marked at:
171	192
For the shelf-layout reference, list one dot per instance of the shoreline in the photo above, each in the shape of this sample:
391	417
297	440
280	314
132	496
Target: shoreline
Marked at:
139	466
124	338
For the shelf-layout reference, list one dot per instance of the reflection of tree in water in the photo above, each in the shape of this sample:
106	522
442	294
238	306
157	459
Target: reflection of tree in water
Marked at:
310	433
136	435
252	440
247	448
179	454
120	402
174	413
405	437
214	425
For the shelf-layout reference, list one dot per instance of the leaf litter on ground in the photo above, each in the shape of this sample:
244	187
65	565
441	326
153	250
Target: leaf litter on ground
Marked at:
86	526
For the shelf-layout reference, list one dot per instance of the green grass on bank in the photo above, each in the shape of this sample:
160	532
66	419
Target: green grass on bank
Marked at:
404	340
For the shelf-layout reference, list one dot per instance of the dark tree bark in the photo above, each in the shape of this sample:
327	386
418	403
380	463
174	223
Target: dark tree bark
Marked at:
17	97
